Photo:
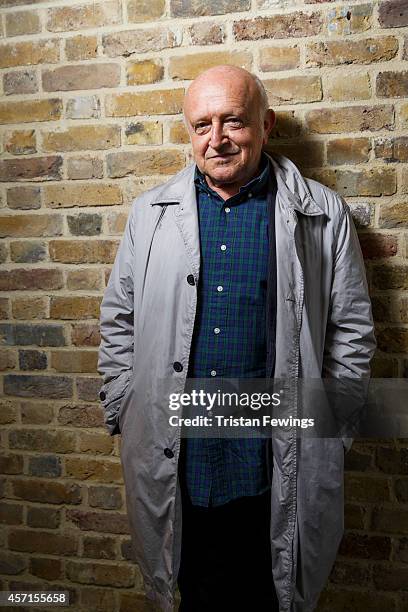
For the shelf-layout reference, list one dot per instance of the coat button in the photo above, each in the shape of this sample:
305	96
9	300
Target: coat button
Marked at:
190	279
177	366
102	395
169	453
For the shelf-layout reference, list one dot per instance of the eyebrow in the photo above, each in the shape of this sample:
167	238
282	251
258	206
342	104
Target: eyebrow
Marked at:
222	116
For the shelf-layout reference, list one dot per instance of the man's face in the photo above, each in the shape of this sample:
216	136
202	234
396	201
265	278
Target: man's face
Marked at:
226	129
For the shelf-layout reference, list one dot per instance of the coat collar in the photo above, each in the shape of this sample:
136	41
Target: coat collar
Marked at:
290	183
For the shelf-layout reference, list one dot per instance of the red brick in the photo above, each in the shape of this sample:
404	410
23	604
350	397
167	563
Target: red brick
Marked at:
366	488
20	82
25	279
295	25
81	47
364	546
348	151
366	182
11	464
81	251
350	119
350	573
11	514
294	90
46	491
81	76
31	169
27	225
394	215
305	154
393	340
95	15
105	574
378	245
49	569
138	41
81	415
98	600
140	163
366	51
347	600
392	460
43	440
190	66
392	84
391	578
43	542
99	548
157	102
105	522
36	413
392	149
279	58
78	307
85	334
207	33
393	14
390	277
99	470
92	193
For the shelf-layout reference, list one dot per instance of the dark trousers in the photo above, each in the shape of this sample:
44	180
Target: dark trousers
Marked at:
225	557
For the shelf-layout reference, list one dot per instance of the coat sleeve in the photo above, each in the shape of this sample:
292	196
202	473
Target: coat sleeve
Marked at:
115	357
350	342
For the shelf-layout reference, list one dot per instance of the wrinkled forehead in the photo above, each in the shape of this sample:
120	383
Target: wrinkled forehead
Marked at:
220	97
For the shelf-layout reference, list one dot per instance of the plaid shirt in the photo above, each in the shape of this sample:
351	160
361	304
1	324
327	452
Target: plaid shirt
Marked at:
230	333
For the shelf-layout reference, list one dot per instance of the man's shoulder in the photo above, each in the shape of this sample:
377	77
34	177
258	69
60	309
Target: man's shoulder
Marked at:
173	187
327	199
309	192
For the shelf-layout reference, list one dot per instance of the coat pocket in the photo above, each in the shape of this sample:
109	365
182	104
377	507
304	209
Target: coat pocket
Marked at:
112	394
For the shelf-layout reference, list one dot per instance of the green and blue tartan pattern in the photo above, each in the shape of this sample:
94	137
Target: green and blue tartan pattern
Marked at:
234	257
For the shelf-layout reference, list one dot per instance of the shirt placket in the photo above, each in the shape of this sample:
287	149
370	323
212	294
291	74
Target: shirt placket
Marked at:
220	291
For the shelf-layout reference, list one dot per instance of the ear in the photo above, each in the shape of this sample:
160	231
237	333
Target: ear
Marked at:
269	122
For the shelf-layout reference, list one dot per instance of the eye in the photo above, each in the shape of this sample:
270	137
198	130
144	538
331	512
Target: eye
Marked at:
234	122
201	128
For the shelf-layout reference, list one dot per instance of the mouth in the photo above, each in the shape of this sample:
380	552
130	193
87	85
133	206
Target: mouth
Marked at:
223	155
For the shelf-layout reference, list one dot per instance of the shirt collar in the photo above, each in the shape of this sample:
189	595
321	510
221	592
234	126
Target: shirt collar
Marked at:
255	185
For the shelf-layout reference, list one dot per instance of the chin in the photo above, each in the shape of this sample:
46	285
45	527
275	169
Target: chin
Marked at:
222	177
224	174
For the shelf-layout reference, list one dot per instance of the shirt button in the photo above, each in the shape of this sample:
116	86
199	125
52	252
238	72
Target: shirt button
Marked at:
102	395
250	194
177	366
216	330
223	247
190	279
227	209
169	453
220	288
213	373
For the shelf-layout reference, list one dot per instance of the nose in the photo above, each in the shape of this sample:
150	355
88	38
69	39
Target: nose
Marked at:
217	135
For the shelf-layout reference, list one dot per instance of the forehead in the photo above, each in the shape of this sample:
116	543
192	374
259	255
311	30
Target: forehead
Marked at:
219	99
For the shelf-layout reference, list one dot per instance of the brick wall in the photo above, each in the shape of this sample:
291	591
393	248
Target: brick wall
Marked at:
90	117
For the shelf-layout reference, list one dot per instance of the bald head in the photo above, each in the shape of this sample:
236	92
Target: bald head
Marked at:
228	120
230	76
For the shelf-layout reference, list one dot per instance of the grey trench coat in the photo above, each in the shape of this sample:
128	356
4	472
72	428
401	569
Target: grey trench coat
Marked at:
324	328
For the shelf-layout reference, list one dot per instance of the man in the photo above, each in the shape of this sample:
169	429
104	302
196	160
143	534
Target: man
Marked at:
236	267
